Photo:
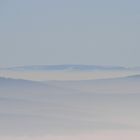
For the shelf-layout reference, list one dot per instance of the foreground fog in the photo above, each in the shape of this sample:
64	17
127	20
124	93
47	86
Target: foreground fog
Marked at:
105	109
109	135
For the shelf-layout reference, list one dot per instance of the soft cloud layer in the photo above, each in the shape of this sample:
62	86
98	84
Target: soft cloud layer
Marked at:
42	76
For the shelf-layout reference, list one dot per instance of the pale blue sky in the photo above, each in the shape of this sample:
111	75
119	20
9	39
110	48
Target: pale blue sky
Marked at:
104	32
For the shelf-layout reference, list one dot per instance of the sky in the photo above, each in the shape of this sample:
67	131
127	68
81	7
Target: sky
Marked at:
40	32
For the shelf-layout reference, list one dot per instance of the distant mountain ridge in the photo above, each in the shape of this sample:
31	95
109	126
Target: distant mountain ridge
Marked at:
18	82
64	68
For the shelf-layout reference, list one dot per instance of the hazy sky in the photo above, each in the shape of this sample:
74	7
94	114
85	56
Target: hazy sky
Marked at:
104	32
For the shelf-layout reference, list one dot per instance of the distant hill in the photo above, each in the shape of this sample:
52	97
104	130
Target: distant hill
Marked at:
17	82
11	85
133	77
16	85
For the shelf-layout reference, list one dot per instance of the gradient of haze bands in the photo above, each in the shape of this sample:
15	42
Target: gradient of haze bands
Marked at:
69	32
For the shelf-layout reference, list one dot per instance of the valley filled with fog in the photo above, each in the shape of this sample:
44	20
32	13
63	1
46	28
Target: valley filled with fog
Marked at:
78	108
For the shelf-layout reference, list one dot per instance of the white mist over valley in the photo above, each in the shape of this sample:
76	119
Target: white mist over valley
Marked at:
100	103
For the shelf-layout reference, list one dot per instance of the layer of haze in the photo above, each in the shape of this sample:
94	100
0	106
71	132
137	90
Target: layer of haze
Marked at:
70	110
69	31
